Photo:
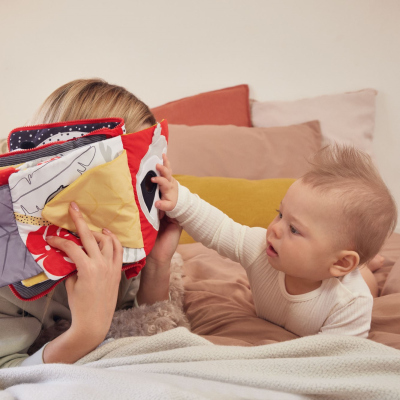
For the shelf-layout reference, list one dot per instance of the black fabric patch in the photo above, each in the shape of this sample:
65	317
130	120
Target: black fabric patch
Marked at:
14	159
148	189
22	139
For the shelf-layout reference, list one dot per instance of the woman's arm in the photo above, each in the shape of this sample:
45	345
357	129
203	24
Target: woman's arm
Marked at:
71	346
17	332
92	292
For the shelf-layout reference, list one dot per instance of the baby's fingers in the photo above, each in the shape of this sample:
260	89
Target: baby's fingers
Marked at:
164	171
163	183
164	205
166	162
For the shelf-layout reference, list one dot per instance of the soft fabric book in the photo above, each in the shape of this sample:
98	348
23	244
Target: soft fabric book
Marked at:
95	163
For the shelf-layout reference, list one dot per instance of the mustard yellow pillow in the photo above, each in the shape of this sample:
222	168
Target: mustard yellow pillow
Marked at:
249	202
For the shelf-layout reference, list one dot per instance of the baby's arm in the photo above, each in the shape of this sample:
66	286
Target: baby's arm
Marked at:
155	276
353	319
207	224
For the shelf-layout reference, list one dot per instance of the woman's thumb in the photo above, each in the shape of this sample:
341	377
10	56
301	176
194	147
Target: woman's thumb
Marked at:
70	282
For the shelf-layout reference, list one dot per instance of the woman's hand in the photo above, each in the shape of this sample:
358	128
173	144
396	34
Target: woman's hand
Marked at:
92	292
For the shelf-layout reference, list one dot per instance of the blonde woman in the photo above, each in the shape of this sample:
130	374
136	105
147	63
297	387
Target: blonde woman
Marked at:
89	298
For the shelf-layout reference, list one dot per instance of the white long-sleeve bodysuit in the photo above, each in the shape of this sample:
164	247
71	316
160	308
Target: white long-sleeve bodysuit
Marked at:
339	306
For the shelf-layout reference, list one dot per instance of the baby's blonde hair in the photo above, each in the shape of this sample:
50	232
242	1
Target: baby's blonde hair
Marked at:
369	210
94	98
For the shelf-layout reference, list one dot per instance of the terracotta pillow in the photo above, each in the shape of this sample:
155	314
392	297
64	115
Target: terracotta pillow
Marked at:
219	107
240	152
346	118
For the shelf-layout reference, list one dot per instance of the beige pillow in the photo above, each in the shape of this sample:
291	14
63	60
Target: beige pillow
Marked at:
346	118
3	146
241	152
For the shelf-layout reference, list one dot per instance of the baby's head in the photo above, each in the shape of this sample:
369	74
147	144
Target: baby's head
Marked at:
94	98
333	218
367	212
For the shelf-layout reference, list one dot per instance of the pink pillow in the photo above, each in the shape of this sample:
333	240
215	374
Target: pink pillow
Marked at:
346	118
229	106
219	303
241	152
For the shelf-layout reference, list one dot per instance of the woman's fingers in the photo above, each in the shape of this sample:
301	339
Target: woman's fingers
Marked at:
70	282
71	249
110	246
85	234
105	244
117	248
96	244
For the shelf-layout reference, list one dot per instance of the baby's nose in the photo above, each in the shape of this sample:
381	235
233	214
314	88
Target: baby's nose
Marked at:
277	229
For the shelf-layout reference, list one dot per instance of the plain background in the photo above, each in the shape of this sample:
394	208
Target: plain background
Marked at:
163	50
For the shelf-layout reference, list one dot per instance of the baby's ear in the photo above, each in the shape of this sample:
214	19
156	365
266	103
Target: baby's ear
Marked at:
347	261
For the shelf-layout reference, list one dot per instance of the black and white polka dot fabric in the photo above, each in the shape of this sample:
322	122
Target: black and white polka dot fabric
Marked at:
31	137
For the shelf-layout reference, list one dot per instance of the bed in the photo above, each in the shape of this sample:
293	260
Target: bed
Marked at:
235	152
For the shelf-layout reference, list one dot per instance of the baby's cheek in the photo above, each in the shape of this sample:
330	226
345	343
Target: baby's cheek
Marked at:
299	253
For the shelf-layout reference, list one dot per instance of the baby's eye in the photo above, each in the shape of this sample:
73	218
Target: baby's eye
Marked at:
294	230
279	214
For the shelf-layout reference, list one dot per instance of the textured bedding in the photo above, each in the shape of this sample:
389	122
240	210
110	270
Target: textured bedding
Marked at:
180	365
220	308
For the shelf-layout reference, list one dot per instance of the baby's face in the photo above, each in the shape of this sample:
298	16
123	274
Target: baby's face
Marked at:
302	239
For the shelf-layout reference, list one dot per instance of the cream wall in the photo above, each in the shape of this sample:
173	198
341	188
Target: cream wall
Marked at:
164	50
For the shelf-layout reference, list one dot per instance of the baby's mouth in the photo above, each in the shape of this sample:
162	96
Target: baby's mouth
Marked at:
271	251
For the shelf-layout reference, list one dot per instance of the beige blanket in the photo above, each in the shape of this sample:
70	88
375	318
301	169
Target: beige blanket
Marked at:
180	365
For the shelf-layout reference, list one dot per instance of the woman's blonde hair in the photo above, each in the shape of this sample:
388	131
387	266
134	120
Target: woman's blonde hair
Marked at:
369	212
90	99
94	98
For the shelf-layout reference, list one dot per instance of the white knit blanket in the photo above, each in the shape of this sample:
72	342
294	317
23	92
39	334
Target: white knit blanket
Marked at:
180	365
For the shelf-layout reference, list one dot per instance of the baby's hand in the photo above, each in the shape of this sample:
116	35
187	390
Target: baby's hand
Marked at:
168	186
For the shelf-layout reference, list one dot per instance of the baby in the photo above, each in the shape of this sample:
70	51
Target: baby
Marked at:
303	270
